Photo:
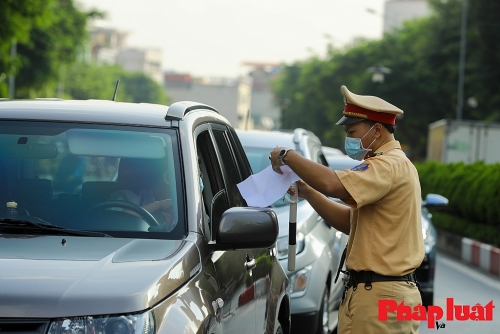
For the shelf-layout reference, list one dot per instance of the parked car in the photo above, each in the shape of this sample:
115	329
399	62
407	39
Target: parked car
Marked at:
329	151
341	162
76	259
425	273
315	296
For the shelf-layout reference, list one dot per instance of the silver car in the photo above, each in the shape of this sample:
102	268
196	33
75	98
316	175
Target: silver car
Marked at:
315	296
125	218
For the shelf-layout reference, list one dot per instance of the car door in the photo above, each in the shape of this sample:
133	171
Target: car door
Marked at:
259	263
220	174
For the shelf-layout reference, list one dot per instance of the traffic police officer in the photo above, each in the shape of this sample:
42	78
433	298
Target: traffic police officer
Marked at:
383	216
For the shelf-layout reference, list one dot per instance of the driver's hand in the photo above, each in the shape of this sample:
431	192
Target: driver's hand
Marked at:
165	204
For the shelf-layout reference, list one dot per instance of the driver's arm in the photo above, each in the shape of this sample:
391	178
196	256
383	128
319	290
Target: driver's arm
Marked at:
163	205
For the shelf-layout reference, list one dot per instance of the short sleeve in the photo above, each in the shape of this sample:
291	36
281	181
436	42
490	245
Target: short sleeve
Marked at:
368	182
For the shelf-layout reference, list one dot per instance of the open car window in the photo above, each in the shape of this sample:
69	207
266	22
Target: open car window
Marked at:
259	160
93	177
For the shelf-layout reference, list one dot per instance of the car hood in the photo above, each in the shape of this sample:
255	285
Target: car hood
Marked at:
52	276
306	218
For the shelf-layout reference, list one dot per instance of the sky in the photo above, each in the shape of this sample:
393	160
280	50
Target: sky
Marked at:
214	37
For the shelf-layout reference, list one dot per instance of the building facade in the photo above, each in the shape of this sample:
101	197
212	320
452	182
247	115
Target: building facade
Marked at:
247	102
109	46
220	93
396	12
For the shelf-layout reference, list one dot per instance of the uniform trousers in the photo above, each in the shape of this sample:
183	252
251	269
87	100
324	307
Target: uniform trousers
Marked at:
358	313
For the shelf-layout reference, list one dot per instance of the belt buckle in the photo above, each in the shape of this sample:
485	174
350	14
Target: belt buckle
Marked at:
346	278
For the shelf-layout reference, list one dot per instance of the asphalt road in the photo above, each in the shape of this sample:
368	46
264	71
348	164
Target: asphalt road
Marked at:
467	285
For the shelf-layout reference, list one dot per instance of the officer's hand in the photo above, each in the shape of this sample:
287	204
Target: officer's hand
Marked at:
275	161
304	190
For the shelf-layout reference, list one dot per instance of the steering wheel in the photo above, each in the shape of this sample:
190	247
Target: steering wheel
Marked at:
143	213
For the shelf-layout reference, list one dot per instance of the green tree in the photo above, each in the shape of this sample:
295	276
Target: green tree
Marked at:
484	58
138	87
49	35
86	81
89	81
423	56
50	48
18	18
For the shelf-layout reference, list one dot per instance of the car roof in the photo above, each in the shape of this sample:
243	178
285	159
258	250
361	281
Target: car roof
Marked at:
265	139
97	111
341	162
331	151
269	138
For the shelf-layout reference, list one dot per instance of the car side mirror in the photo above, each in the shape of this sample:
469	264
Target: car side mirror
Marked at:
247	227
435	202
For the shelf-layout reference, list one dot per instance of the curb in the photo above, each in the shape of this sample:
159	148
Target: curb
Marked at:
470	251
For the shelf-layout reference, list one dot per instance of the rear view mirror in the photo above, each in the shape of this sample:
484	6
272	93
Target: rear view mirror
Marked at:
435	202
247	227
107	143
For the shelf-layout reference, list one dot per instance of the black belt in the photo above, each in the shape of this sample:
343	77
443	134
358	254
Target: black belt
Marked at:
367	277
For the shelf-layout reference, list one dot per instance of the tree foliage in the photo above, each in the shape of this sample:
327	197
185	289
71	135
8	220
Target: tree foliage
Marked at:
473	194
51	33
18	18
423	56
87	81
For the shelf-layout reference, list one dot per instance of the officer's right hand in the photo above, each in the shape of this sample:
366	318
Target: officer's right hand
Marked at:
304	190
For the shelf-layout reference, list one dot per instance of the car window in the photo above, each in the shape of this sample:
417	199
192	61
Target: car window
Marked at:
214	193
58	173
230	167
259	160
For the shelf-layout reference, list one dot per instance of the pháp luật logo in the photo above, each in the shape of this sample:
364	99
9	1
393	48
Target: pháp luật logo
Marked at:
434	313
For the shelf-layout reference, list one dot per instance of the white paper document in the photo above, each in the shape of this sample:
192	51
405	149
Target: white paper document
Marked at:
266	187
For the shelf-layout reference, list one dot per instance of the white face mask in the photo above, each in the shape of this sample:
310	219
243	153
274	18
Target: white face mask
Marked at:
354	147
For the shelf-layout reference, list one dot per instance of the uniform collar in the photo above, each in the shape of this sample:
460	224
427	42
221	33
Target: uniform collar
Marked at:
391	145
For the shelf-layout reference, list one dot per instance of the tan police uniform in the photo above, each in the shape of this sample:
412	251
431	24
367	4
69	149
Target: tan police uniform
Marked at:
385	233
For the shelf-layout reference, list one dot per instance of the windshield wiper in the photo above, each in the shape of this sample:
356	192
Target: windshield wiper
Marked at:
19	224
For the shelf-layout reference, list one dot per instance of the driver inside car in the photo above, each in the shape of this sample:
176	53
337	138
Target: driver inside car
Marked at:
144	182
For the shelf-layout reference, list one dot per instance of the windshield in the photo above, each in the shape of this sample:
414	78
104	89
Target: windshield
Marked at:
124	181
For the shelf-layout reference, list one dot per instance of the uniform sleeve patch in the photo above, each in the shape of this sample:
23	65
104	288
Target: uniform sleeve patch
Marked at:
360	168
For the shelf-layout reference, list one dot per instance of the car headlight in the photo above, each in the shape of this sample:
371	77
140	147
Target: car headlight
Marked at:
143	323
298	282
282	246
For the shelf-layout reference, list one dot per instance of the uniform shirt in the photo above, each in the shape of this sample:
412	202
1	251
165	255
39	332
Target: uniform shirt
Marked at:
386	233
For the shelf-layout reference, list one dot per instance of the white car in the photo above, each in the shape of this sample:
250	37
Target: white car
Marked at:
341	162
315	297
329	151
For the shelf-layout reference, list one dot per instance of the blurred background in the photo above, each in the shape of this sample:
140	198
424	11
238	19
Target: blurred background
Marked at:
266	65
279	65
